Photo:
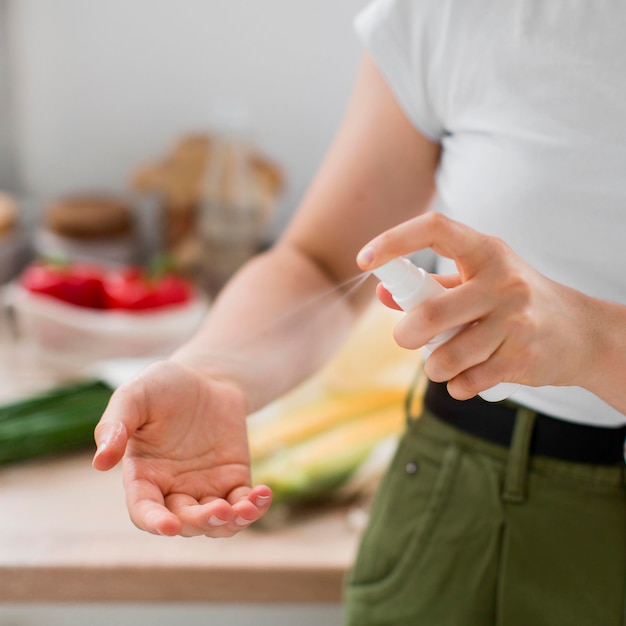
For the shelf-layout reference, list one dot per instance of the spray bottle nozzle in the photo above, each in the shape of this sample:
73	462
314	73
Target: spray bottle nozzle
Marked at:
399	275
408	284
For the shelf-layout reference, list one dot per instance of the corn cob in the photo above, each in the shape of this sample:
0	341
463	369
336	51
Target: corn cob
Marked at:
306	421
317	466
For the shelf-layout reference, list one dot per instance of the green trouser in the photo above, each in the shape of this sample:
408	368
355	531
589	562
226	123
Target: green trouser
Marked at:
467	533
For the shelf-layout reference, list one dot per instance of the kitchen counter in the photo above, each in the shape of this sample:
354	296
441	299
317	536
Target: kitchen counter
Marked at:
65	536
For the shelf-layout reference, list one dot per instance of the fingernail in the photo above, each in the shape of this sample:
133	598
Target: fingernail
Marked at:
240	521
262	500
365	256
216	521
101	448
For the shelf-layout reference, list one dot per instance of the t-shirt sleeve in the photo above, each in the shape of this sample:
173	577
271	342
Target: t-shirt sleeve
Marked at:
398	34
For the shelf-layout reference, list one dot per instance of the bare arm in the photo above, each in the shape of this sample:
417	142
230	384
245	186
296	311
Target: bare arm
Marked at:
180	427
281	316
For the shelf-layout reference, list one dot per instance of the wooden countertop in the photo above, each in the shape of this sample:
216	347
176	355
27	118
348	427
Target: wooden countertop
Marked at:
65	536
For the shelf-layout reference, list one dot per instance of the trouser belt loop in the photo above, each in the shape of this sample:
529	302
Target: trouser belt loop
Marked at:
515	479
414	396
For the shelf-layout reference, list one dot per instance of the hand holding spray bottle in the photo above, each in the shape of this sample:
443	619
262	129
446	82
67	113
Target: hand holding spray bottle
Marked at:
410	285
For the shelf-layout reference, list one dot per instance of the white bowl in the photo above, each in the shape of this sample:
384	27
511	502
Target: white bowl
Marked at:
78	336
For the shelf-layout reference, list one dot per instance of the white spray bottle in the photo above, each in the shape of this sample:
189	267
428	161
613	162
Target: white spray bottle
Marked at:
410	285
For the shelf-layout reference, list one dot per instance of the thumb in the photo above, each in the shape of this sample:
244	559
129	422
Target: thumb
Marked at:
111	439
116	426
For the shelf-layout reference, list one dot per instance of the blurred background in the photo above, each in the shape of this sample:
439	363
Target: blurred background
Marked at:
133	128
92	89
151	128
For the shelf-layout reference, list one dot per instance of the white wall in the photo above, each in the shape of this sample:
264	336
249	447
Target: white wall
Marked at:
103	85
8	170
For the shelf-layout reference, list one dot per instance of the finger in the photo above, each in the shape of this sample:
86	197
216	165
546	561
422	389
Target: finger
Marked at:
121	418
386	298
471	362
445	236
476	379
251	507
261	497
147	509
471	346
448	280
456	308
211	517
217	517
111	439
248	506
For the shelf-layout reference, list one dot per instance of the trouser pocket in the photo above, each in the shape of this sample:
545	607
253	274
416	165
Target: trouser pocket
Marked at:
429	554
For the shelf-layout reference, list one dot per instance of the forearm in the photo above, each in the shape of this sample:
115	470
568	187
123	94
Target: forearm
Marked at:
274	324
606	337
287	311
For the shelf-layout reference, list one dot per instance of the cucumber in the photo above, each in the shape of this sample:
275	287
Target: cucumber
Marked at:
53	422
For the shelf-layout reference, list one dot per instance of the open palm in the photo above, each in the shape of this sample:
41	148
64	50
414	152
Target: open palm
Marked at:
185	453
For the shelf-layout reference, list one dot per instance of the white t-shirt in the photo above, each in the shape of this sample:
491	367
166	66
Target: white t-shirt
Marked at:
528	99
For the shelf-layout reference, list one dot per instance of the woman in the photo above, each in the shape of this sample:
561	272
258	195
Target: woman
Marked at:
493	133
